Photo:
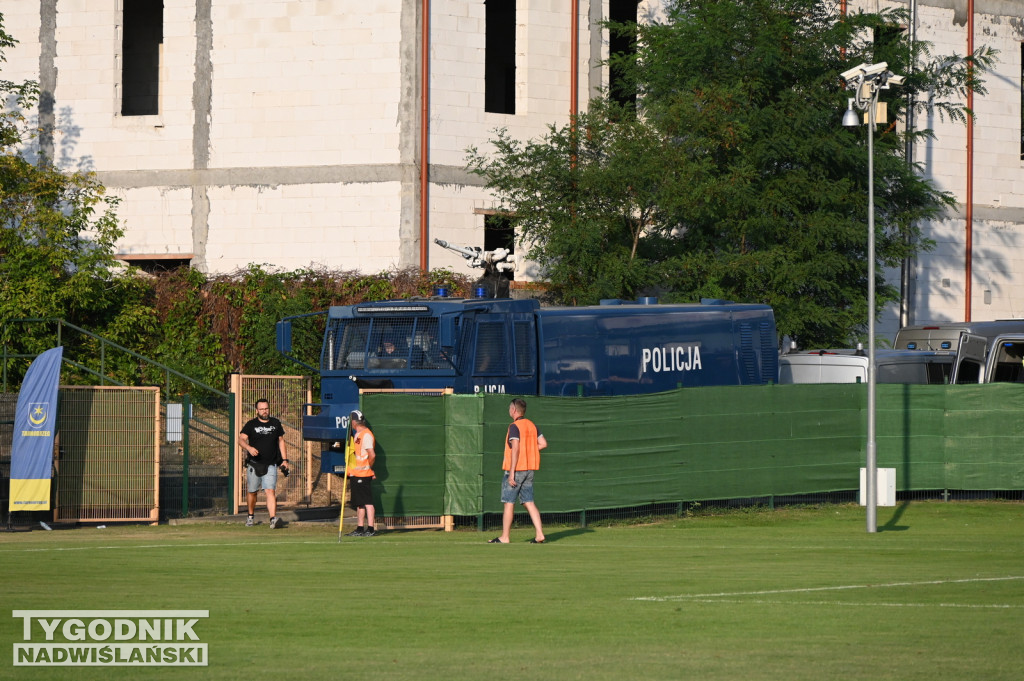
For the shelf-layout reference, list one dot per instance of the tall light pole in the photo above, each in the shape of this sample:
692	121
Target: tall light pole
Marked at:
866	81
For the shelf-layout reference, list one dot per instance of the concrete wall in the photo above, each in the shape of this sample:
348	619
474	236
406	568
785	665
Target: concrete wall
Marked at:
289	132
938	285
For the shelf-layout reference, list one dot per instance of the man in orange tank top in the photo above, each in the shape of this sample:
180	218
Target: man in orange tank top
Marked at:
360	477
523	443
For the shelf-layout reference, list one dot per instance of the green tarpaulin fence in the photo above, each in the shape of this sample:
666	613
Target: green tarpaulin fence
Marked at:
442	455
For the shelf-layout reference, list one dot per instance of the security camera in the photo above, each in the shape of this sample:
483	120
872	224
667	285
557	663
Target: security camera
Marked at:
896	80
855	72
875	69
865	70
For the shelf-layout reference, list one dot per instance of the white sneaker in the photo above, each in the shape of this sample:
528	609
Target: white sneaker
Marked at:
250	521
275	522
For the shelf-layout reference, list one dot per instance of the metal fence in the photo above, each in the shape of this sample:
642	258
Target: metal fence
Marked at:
108	463
288	397
123	454
197	439
196	436
8	402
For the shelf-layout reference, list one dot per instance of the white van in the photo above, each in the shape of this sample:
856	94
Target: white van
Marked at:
986	352
946	335
851	366
990	359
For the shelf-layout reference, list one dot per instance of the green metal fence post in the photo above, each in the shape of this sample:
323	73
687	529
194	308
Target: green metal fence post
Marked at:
232	448
186	414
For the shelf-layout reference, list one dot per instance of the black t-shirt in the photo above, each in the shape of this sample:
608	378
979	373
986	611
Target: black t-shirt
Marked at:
264	436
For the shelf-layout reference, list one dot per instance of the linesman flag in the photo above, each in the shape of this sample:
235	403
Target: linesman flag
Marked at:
35	424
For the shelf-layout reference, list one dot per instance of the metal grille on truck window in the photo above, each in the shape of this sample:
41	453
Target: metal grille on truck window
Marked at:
346	343
426	351
526	357
491	353
769	354
748	358
390	342
375	343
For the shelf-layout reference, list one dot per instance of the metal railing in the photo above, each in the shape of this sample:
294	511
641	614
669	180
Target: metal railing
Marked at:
207	432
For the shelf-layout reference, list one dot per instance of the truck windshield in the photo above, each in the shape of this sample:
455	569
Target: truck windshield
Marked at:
384	343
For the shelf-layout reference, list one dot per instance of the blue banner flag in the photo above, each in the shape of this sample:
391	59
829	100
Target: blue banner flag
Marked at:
35	424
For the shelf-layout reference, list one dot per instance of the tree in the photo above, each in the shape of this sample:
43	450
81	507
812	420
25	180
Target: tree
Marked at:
732	177
591	198
57	237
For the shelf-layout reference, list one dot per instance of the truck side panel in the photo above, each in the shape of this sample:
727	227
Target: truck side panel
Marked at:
633	350
516	347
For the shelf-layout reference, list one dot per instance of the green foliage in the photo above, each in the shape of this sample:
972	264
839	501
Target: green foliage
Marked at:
733	178
212	326
57	236
612	176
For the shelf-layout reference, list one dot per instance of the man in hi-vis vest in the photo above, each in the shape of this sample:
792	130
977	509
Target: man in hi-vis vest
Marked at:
360	476
523	443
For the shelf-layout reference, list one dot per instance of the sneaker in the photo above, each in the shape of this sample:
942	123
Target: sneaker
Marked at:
358	532
275	522
250	521
370	533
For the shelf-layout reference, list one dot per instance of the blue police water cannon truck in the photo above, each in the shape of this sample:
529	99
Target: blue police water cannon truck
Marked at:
517	347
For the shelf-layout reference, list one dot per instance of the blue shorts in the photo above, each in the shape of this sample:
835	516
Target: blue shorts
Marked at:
522	492
257	482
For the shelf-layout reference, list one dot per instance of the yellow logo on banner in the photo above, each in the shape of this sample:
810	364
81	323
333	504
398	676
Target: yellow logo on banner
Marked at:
38	412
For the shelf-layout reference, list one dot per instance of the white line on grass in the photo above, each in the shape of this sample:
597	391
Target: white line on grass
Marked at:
168	545
996	606
844	587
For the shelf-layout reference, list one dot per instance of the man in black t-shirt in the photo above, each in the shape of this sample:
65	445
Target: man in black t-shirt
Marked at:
262	440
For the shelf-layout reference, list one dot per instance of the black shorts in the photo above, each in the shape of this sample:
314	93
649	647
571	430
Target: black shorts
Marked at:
362	491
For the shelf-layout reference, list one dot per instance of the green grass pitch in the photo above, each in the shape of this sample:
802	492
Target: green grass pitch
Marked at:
937	593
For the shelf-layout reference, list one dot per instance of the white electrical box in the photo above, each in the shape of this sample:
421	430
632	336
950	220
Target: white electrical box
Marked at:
885	492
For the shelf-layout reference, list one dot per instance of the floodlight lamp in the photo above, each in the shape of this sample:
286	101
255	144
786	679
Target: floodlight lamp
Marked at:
850	118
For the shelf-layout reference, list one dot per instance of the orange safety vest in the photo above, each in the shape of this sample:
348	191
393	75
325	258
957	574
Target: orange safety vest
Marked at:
361	460
529	449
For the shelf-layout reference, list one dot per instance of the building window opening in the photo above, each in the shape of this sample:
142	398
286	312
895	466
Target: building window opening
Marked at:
142	37
157	265
621	50
499	233
500	56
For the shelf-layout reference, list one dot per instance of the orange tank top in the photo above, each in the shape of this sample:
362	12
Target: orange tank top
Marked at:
361	459
529	449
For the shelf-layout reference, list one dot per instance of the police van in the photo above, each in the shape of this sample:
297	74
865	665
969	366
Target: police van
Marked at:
986	351
998	358
946	335
851	366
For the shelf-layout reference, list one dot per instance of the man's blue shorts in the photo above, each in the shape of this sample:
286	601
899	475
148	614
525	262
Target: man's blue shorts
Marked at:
522	492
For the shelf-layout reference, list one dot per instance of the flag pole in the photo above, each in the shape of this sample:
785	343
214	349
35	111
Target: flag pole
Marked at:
344	477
